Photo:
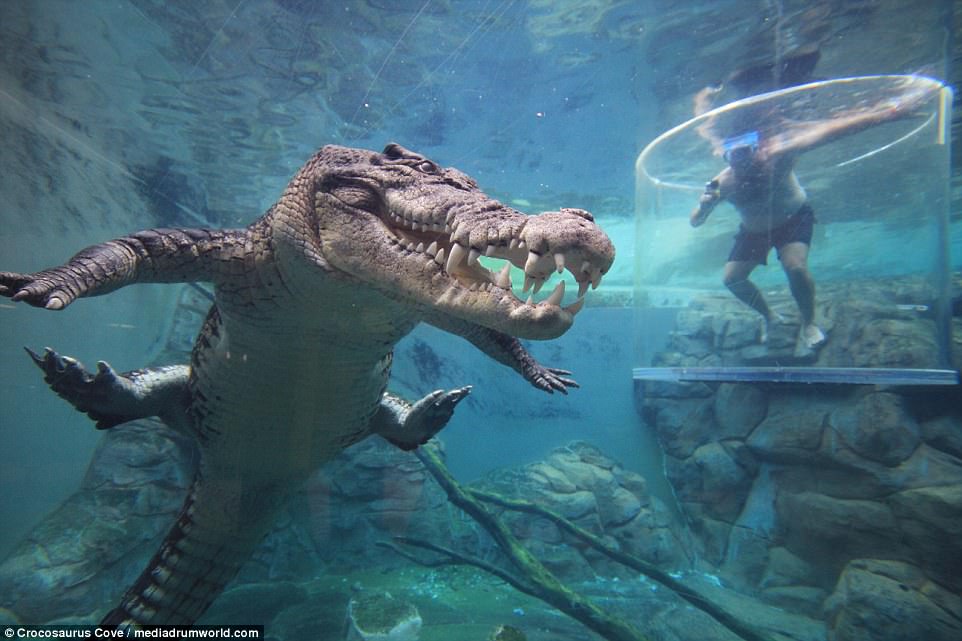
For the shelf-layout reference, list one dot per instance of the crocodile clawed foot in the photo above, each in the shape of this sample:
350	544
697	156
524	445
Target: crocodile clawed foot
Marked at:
101	396
429	415
549	379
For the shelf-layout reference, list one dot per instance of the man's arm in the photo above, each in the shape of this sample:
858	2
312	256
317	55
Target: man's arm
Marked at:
805	136
707	202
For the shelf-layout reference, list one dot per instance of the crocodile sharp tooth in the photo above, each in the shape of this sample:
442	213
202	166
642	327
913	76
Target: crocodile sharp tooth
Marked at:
513	244
504	277
474	287
583	288
538	284
473	256
559	262
432	249
489	250
575	307
530	264
557	294
528	282
426	227
411	246
586	267
596	280
420	248
521	244
439	258
161	574
455	257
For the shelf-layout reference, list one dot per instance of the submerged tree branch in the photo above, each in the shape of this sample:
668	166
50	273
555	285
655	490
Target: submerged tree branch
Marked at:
414	559
544	585
685	592
457	557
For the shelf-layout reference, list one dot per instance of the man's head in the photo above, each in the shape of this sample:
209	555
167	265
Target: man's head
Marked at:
739	150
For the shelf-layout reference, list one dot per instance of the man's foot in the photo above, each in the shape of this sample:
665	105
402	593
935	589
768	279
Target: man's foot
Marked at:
767	323
812	337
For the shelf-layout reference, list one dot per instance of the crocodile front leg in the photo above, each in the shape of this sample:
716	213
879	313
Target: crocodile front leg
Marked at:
110	398
507	350
408	426
152	256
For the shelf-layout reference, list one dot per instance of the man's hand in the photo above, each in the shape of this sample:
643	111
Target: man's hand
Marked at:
706	204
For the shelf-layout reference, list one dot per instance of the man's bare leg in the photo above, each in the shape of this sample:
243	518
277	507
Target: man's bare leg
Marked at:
794	257
736	280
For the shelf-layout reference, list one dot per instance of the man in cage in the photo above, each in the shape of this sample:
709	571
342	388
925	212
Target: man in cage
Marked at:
761	152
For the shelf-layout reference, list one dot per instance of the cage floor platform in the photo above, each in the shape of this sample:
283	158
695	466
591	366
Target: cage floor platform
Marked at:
833	375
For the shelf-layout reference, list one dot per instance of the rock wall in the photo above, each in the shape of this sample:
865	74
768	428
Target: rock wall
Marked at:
75	565
837	500
593	491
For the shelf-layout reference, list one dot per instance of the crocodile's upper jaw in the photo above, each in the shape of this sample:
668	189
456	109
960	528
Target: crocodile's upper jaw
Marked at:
424	227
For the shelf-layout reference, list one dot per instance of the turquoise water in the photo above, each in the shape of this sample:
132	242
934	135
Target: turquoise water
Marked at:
779	504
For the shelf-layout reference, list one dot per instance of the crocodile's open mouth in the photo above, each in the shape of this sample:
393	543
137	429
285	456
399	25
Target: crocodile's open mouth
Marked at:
456	251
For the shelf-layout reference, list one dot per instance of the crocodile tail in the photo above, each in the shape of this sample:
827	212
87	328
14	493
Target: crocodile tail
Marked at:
200	555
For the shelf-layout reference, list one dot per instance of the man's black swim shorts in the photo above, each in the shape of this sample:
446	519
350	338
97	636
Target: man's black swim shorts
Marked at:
753	247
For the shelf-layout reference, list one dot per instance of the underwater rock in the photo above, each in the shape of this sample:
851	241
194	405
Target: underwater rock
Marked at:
878	428
831	530
943	433
739	409
600	496
654	535
8	618
507	633
930	520
791	437
736	331
786	569
254	603
793	583
804	599
889	342
585	467
552	477
371	492
852	471
381	617
878	600
681	425
287	552
724	483
711	482
315	618
618	508
89	548
574	505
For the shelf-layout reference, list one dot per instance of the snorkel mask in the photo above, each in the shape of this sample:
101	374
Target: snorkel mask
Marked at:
737	145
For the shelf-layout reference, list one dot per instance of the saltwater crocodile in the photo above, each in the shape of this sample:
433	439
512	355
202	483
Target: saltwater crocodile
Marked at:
292	362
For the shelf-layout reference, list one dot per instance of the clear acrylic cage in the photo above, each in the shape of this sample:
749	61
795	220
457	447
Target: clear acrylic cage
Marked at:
879	255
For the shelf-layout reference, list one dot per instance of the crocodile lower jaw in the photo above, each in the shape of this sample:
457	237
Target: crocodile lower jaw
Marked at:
433	243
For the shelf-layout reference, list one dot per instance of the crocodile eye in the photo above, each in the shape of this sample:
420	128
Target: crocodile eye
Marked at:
428	167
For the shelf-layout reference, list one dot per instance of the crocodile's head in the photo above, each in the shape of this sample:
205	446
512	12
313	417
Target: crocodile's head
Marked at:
414	231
